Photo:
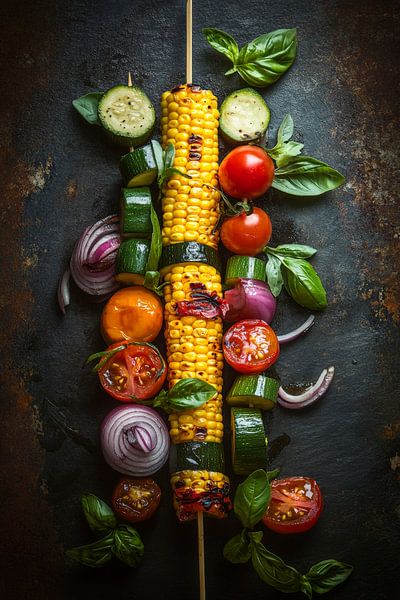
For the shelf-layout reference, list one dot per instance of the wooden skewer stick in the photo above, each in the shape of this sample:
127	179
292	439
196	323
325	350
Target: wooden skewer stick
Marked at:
130	85
200	546
189	41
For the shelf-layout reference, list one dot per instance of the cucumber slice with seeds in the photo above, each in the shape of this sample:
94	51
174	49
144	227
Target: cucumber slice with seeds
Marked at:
256	391
138	167
249	444
127	115
244	116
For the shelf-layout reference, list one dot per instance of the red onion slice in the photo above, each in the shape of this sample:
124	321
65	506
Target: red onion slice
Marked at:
310	395
63	291
293	335
135	440
250	299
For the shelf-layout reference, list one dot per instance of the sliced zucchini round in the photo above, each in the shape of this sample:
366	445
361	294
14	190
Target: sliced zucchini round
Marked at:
257	391
197	456
249	444
127	115
244	116
244	267
188	252
130	266
138	167
135	212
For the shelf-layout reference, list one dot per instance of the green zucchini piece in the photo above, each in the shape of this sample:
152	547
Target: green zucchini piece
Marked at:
188	252
244	116
135	212
197	456
138	167
127	115
249	444
130	266
256	391
244	267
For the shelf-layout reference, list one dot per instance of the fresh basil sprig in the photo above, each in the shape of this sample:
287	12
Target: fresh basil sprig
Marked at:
260	62
164	160
98	514
87	106
155	243
186	394
250	504
127	545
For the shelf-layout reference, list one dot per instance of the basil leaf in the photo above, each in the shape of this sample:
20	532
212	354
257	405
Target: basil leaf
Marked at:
286	151
262	61
222	42
327	574
306	176
171	170
185	394
93	555
252	498
238	549
274	275
169	155
127	545
273	474
87	107
158	156
155	244
306	587
286	129
272	569
292	250
98	514
301	281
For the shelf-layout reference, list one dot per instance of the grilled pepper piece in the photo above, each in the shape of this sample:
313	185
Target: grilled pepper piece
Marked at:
196	491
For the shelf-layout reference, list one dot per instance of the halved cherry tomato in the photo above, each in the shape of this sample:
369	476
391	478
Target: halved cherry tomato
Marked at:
250	346
136	500
137	372
247	234
132	313
295	506
246	172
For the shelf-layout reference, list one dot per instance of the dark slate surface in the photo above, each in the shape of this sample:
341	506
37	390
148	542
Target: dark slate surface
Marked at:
58	175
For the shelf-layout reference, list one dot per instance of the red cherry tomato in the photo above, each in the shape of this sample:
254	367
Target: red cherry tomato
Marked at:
136	499
250	346
246	172
138	371
295	506
247	234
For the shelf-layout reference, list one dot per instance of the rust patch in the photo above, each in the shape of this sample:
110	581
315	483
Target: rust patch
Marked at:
391	431
395	462
72	188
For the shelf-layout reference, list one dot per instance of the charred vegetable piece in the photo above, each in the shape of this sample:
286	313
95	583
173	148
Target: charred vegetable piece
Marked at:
136	500
244	116
196	491
250	346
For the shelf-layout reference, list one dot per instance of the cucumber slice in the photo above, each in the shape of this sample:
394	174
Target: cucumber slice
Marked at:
197	456
138	167
188	252
244	267
244	116
135	212
127	115
249	444
257	391
130	266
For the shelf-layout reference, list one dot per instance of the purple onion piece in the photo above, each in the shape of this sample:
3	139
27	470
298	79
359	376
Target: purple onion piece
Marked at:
310	395
63	291
293	335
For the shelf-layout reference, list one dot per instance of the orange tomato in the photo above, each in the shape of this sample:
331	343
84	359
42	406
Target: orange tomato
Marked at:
133	313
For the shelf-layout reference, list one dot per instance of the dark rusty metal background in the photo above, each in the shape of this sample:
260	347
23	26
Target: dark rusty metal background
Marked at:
58	175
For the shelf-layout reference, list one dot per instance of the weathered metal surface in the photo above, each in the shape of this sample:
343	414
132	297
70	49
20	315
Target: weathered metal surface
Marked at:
58	175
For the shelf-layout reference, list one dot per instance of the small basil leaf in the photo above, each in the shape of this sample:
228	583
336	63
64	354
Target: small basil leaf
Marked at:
285	152
127	545
155	244
87	107
273	570
252	498
286	129
301	281
274	275
158	156
169	155
98	514
238	549
186	394
273	474
306	176
171	170
327	574
262	61
306	587
93	555
292	250
222	42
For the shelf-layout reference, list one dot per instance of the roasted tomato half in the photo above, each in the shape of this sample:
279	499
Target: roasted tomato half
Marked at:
136	372
250	346
295	506
136	499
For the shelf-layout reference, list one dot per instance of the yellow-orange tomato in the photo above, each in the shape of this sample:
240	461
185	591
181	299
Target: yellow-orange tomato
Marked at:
133	313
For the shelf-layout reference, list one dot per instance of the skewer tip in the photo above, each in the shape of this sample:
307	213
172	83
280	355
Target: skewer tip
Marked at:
129	79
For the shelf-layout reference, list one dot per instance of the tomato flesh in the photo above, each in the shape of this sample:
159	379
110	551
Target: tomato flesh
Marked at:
247	234
136	372
295	506
246	172
250	346
136	500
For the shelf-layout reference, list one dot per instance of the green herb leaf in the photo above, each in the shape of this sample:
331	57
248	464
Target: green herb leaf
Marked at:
286	151
306	176
327	574
93	555
252	498
262	61
274	275
286	129
107	354
273	474
292	250
169	155
98	514
158	156
301	281
127	545
185	394
238	549
171	170
272	569
87	107
155	244
222	42
151	282
306	587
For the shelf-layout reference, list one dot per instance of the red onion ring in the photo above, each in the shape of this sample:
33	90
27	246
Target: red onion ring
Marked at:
293	335
310	395
135	440
63	291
